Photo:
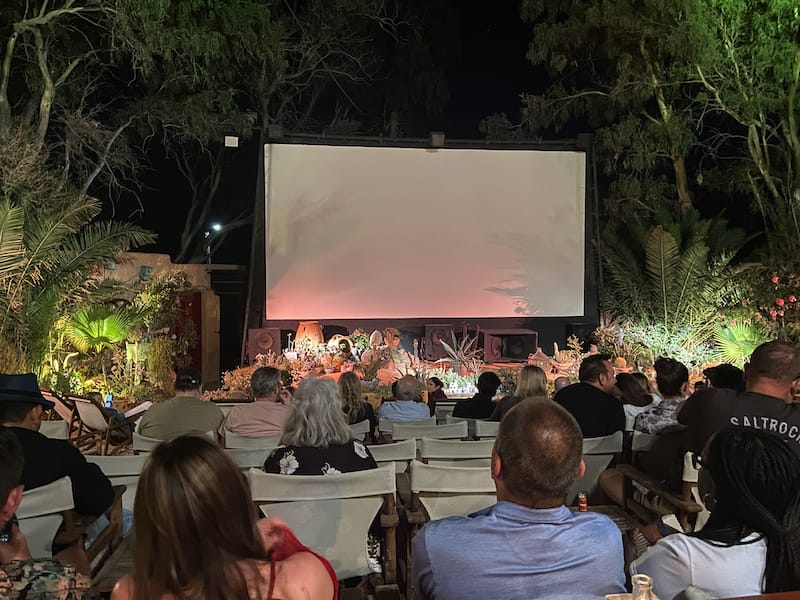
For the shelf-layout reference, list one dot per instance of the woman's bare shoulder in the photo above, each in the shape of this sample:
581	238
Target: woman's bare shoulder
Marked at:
303	576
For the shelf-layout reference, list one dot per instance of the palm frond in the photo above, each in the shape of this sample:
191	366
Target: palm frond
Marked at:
661	259
12	229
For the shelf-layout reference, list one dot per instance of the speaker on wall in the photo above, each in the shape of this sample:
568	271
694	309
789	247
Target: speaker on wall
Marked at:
263	340
434	334
508	345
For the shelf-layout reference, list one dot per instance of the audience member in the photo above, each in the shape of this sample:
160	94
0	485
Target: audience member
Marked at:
634	399
559	383
529	544
725	376
768	403
751	543
22	576
46	459
183	548
672	381
646	384
404	408
590	401
317	438
436	393
532	383
267	414
186	413
355	408
481	405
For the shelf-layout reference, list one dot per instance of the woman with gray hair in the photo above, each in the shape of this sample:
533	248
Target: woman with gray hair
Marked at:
316	439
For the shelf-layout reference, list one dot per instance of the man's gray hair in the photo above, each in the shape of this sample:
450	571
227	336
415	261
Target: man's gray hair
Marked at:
317	419
264	380
407	388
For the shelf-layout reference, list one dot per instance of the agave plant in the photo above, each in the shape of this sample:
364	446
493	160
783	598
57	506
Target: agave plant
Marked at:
464	352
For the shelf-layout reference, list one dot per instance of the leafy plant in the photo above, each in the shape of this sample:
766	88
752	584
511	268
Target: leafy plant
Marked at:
736	341
465	352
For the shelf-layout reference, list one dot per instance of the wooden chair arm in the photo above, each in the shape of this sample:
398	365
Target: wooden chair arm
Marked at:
389	515
657	488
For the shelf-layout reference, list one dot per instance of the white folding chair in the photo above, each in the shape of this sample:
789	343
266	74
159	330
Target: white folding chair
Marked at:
404	431
122	470
56	430
246	458
449	491
456	453
360	429
226	407
444	411
234	440
332	514
642	442
486	429
142	443
399	454
99	425
597	455
40	514
386	425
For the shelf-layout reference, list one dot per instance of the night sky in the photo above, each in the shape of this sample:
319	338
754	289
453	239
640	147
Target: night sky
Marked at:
487	77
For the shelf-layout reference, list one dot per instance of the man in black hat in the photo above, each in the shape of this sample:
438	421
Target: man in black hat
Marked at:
47	460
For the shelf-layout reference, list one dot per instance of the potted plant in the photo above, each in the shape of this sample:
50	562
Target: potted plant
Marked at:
465	356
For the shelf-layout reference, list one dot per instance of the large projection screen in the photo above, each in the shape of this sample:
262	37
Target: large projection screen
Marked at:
358	232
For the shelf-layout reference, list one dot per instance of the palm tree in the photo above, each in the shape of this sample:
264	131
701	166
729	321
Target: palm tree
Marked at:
50	252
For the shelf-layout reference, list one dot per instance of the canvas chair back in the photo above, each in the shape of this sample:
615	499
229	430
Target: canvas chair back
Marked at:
486	429
444	411
456	453
62	410
246	458
386	425
226	407
360	429
56	430
405	431
234	440
122	470
642	442
332	514
399	454
451	491
142	443
450	419
91	415
597	455
40	514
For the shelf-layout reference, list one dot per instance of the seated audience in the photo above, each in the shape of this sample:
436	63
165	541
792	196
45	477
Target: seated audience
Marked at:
183	548
316	439
751	542
634	399
267	414
22	576
590	400
355	408
672	381
767	402
435	393
186	413
481	405
529	544
403	407
532	383
725	376
46	459
559	383
643	381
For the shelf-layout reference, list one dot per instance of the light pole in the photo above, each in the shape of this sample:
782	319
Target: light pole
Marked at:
208	236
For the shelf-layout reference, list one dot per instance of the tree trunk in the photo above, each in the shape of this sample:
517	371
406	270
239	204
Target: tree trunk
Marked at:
682	183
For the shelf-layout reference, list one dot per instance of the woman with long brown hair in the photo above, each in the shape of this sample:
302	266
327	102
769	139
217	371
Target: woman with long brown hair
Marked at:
197	537
355	408
532	383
